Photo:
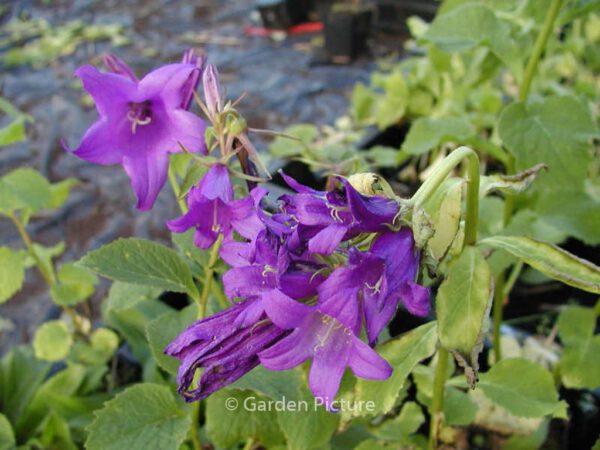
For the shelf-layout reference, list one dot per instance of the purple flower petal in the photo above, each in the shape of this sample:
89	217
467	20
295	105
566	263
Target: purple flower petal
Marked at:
98	145
148	173
366	363
283	311
288	353
327	240
415	298
110	92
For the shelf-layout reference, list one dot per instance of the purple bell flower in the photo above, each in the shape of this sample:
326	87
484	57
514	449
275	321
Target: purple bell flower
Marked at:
141	121
327	333
224	347
325	219
213	210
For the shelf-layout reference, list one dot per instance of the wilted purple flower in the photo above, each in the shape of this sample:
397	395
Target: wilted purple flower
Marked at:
213	210
141	122
328	335
327	218
223	346
378	280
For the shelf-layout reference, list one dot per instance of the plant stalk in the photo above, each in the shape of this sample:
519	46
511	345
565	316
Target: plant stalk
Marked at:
437	402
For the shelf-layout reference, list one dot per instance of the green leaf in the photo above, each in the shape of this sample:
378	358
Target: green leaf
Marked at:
284	147
12	272
46	254
56	433
426	133
579	364
13	132
362	102
550	260
474	25
24	188
391	107
510	184
270	383
7	435
21	374
232	416
462	307
403	354
144	262
522	387
459	408
59	192
556	132
52	341
141	417
164	329
399	428
75	284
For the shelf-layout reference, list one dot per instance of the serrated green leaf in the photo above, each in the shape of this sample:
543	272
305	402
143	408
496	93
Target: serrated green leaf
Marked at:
399	428
12	272
403	354
24	188
7	435
141	417
522	387
556	132
52	341
75	285
164	329
232	416
425	134
144	262
550	260
463	303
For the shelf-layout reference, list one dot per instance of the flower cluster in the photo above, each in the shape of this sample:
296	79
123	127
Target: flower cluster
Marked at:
306	277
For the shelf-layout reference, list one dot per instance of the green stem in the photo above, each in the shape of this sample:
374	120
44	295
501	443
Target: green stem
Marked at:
538	48
437	402
176	190
437	177
249	443
194	429
497	316
208	276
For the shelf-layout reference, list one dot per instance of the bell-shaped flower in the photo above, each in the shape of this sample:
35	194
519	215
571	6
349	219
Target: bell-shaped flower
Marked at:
223	346
141	122
213	210
328	335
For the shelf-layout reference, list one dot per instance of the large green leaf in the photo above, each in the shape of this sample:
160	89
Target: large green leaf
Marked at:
141	417
24	188
426	133
233	415
522	387
473	25
142	262
12	272
579	364
7	435
556	132
462	306
403	354
550	260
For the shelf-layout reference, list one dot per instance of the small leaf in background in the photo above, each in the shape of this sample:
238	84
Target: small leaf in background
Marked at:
510	184
284	147
75	284
391	107
45	255
399	429
24	188
59	192
551	261
381	156
403	354
142	417
52	341
140	261
164	329
7	435
101	347
362	102
230	419
522	387
462	307
15	130
426	133
579	364
12	272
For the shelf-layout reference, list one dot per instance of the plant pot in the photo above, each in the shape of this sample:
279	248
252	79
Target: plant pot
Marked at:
283	14
391	15
346	32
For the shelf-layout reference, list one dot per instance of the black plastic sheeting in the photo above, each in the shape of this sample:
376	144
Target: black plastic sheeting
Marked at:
282	87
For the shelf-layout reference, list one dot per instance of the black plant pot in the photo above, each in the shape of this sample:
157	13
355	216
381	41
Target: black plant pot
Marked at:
346	32
391	15
283	14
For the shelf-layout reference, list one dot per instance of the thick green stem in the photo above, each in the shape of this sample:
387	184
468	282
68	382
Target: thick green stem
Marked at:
538	48
437	177
437	402
497	316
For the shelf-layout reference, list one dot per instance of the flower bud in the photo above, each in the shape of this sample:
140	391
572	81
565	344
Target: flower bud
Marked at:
212	90
118	66
366	183
190	57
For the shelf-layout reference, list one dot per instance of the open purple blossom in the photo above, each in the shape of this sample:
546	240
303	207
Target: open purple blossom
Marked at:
141	121
213	210
325	219
223	346
328	335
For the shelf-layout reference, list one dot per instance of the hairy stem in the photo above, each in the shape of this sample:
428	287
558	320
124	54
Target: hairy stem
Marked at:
437	402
